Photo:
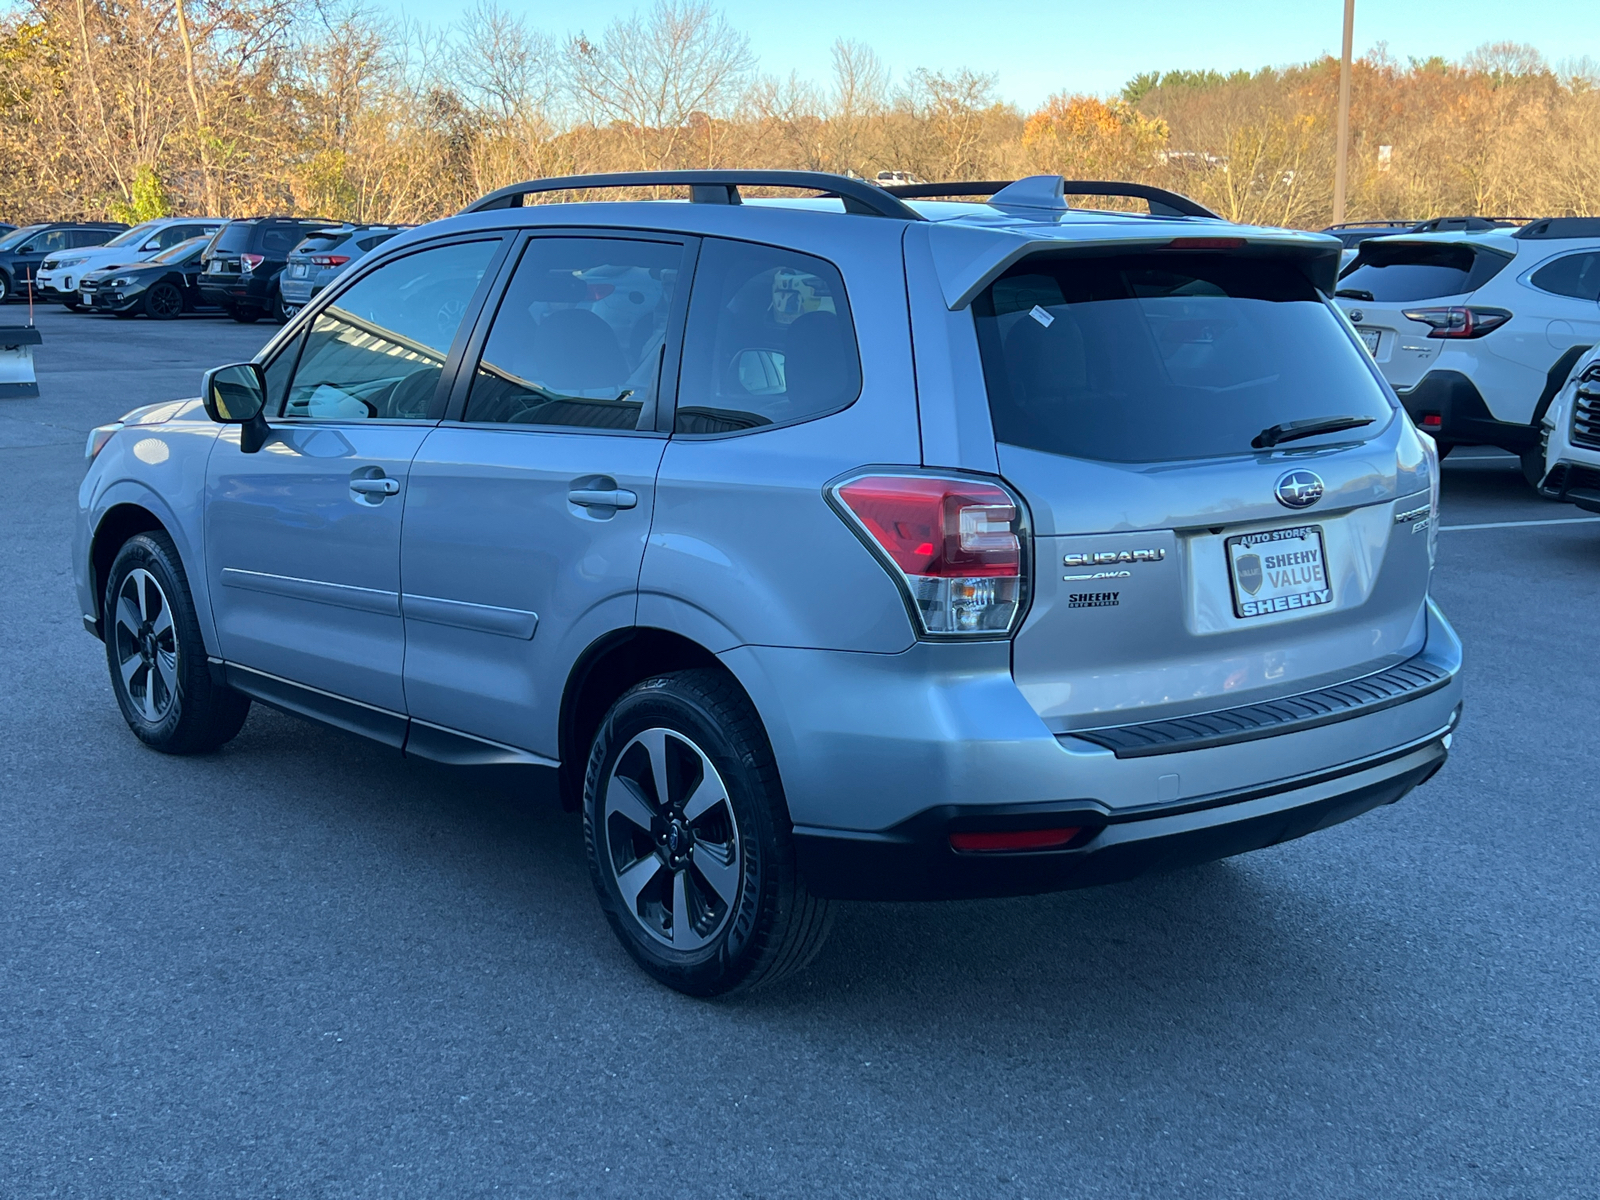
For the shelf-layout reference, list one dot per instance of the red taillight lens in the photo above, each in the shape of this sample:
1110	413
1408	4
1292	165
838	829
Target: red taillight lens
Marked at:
329	260
1012	839
956	546
1432	420
249	262
1458	322
939	527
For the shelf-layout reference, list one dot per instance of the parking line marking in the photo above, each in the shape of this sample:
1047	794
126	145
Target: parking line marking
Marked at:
1522	524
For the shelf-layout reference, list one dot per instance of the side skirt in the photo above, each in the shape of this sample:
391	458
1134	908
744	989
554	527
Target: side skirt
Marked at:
419	739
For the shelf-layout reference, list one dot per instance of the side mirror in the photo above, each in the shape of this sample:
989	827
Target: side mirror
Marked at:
237	395
152	244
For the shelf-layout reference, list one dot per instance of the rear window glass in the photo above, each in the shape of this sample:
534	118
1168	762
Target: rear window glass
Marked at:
378	240
233	238
1396	272
321	243
278	241
1163	357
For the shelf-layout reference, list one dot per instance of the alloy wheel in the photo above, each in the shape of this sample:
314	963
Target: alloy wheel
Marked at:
146	645
671	840
165	302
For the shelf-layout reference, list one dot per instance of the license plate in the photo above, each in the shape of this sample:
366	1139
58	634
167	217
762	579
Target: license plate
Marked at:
215	267
298	271
1369	338
1279	570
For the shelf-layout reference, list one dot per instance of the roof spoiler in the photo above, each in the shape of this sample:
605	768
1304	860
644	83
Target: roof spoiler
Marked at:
1051	191
713	187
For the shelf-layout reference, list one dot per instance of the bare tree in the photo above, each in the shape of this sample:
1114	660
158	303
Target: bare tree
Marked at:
651	73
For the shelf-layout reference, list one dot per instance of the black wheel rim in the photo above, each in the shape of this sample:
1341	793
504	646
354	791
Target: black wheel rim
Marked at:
165	301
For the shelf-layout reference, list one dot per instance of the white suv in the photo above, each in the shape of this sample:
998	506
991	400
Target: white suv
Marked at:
1477	331
60	274
1572	437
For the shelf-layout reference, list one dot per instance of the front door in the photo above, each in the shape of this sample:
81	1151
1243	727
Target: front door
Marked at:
303	538
527	518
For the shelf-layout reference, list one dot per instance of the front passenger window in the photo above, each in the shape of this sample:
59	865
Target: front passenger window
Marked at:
378	351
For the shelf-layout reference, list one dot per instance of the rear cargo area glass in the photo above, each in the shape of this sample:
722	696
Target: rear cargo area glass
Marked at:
1399	272
1165	356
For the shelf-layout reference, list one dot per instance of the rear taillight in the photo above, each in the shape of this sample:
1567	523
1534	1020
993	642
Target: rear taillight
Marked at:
1458	322
249	262
954	545
329	260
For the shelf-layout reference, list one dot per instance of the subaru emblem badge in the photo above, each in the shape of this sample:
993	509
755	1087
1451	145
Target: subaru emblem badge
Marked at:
1299	489
1357	315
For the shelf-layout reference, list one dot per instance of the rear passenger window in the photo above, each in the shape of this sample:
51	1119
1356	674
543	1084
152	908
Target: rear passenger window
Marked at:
1576	275
769	341
580	335
379	349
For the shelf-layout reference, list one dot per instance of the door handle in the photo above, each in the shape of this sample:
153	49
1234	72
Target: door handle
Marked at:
598	498
375	487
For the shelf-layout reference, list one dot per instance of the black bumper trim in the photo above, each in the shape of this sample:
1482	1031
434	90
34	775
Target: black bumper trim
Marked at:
1464	418
1406	681
914	860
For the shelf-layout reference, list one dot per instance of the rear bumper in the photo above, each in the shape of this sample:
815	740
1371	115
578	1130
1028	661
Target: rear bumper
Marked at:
915	861
1449	406
884	756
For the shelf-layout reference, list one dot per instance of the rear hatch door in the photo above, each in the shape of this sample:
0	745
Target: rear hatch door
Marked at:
1179	568
1393	276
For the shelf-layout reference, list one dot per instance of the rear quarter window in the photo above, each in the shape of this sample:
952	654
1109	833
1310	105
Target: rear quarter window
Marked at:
1399	272
1574	275
769	341
1165	357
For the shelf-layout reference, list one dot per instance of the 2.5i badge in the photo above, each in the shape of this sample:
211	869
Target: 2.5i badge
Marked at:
1281	570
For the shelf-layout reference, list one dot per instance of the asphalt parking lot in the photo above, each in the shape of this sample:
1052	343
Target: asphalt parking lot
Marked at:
306	967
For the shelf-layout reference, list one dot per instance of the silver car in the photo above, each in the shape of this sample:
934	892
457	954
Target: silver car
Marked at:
846	546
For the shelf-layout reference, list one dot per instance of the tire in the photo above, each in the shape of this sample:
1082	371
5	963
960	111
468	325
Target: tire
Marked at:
5	287
245	314
279	313
72	305
156	656
163	302
721	845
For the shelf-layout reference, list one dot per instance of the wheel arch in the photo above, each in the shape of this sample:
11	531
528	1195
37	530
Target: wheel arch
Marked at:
117	524
603	672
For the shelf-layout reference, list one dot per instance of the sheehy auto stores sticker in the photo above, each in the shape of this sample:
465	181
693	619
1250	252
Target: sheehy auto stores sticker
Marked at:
1093	599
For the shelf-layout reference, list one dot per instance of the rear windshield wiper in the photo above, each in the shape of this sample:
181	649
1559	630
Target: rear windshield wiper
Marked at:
1355	294
1291	431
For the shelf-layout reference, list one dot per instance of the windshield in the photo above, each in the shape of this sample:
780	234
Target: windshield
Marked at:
181	251
1397	272
128	236
17	236
1165	356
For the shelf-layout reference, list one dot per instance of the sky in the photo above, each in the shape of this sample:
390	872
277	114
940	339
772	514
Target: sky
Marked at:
1040	48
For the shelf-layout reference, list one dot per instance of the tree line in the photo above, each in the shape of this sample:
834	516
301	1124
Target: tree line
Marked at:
137	108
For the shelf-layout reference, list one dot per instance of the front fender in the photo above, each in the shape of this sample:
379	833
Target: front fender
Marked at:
161	470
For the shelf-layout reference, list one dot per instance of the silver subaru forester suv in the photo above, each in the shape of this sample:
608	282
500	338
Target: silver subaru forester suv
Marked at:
868	544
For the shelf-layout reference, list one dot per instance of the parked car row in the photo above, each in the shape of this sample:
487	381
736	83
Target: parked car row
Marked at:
250	268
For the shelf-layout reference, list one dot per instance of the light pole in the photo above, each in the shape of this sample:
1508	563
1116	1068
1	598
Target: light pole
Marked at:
1341	170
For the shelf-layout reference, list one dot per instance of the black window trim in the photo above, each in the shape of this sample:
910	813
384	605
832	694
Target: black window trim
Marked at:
666	389
293	338
817	416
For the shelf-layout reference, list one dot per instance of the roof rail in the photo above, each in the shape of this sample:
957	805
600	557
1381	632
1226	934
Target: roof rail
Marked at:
1370	225
1162	202
713	187
1466	224
1560	227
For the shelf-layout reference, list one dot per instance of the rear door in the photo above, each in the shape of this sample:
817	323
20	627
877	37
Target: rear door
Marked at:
1178	567
528	512
1391	276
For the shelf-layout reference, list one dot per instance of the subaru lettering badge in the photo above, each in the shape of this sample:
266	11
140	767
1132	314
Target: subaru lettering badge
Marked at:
1299	489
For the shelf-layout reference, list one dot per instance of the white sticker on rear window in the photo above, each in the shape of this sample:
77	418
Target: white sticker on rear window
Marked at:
1042	316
